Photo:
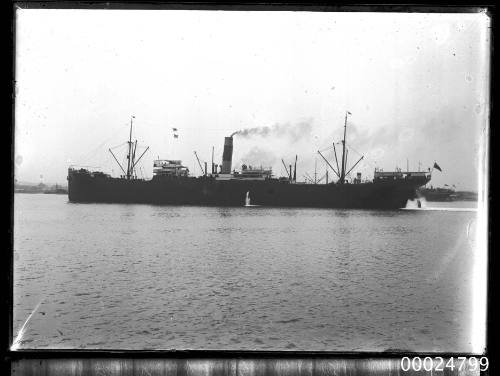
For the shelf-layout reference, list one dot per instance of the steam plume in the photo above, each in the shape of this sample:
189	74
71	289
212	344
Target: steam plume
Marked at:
258	156
294	132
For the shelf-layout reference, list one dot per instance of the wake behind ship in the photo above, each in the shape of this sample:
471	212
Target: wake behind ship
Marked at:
172	185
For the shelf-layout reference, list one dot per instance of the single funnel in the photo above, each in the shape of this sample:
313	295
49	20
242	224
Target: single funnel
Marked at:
227	155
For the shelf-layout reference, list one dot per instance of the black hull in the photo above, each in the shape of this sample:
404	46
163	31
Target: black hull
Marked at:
207	191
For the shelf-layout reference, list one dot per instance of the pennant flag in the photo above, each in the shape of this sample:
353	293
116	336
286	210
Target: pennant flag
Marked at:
349	113
174	129
436	166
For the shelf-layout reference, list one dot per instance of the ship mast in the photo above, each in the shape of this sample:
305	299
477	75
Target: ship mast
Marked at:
295	170
342	173
129	162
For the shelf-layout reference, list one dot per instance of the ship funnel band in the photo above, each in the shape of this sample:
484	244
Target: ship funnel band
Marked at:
227	155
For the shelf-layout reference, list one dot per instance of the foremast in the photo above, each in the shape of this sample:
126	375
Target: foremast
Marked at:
131	161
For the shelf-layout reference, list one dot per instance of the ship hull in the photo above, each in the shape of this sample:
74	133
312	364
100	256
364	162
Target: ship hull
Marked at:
208	191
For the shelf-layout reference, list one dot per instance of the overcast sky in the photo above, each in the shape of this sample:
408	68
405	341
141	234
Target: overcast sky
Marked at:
416	85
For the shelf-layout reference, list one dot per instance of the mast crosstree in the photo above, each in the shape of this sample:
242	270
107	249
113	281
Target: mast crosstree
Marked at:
341	170
131	161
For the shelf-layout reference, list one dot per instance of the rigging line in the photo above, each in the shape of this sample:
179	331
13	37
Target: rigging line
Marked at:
115	132
307	179
361	155
117	146
324	176
357	152
366	160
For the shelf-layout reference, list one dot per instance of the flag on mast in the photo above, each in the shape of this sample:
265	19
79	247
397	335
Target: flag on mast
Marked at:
349	113
436	166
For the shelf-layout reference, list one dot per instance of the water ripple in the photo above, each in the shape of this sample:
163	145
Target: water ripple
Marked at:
139	276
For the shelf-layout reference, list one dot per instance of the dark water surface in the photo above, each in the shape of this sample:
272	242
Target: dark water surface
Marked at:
142	277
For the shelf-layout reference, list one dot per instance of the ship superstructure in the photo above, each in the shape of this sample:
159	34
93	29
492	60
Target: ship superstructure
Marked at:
169	168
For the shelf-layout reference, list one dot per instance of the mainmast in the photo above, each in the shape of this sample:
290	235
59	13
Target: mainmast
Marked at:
341	170
130	163
344	157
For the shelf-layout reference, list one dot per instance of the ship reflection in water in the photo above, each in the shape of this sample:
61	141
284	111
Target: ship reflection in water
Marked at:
163	277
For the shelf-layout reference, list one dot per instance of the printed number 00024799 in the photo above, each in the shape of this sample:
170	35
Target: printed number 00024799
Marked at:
460	363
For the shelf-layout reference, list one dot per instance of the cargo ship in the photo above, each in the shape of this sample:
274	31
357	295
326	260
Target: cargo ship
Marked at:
172	184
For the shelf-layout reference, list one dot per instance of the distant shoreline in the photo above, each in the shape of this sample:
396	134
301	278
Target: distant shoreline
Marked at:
40	188
40	192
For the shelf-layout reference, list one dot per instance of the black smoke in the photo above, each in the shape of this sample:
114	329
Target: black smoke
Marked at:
294	132
258	156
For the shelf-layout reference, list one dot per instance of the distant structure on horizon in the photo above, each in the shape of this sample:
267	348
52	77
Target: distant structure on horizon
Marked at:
446	194
40	188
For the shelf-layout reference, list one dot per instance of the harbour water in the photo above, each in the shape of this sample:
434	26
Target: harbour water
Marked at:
109	276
